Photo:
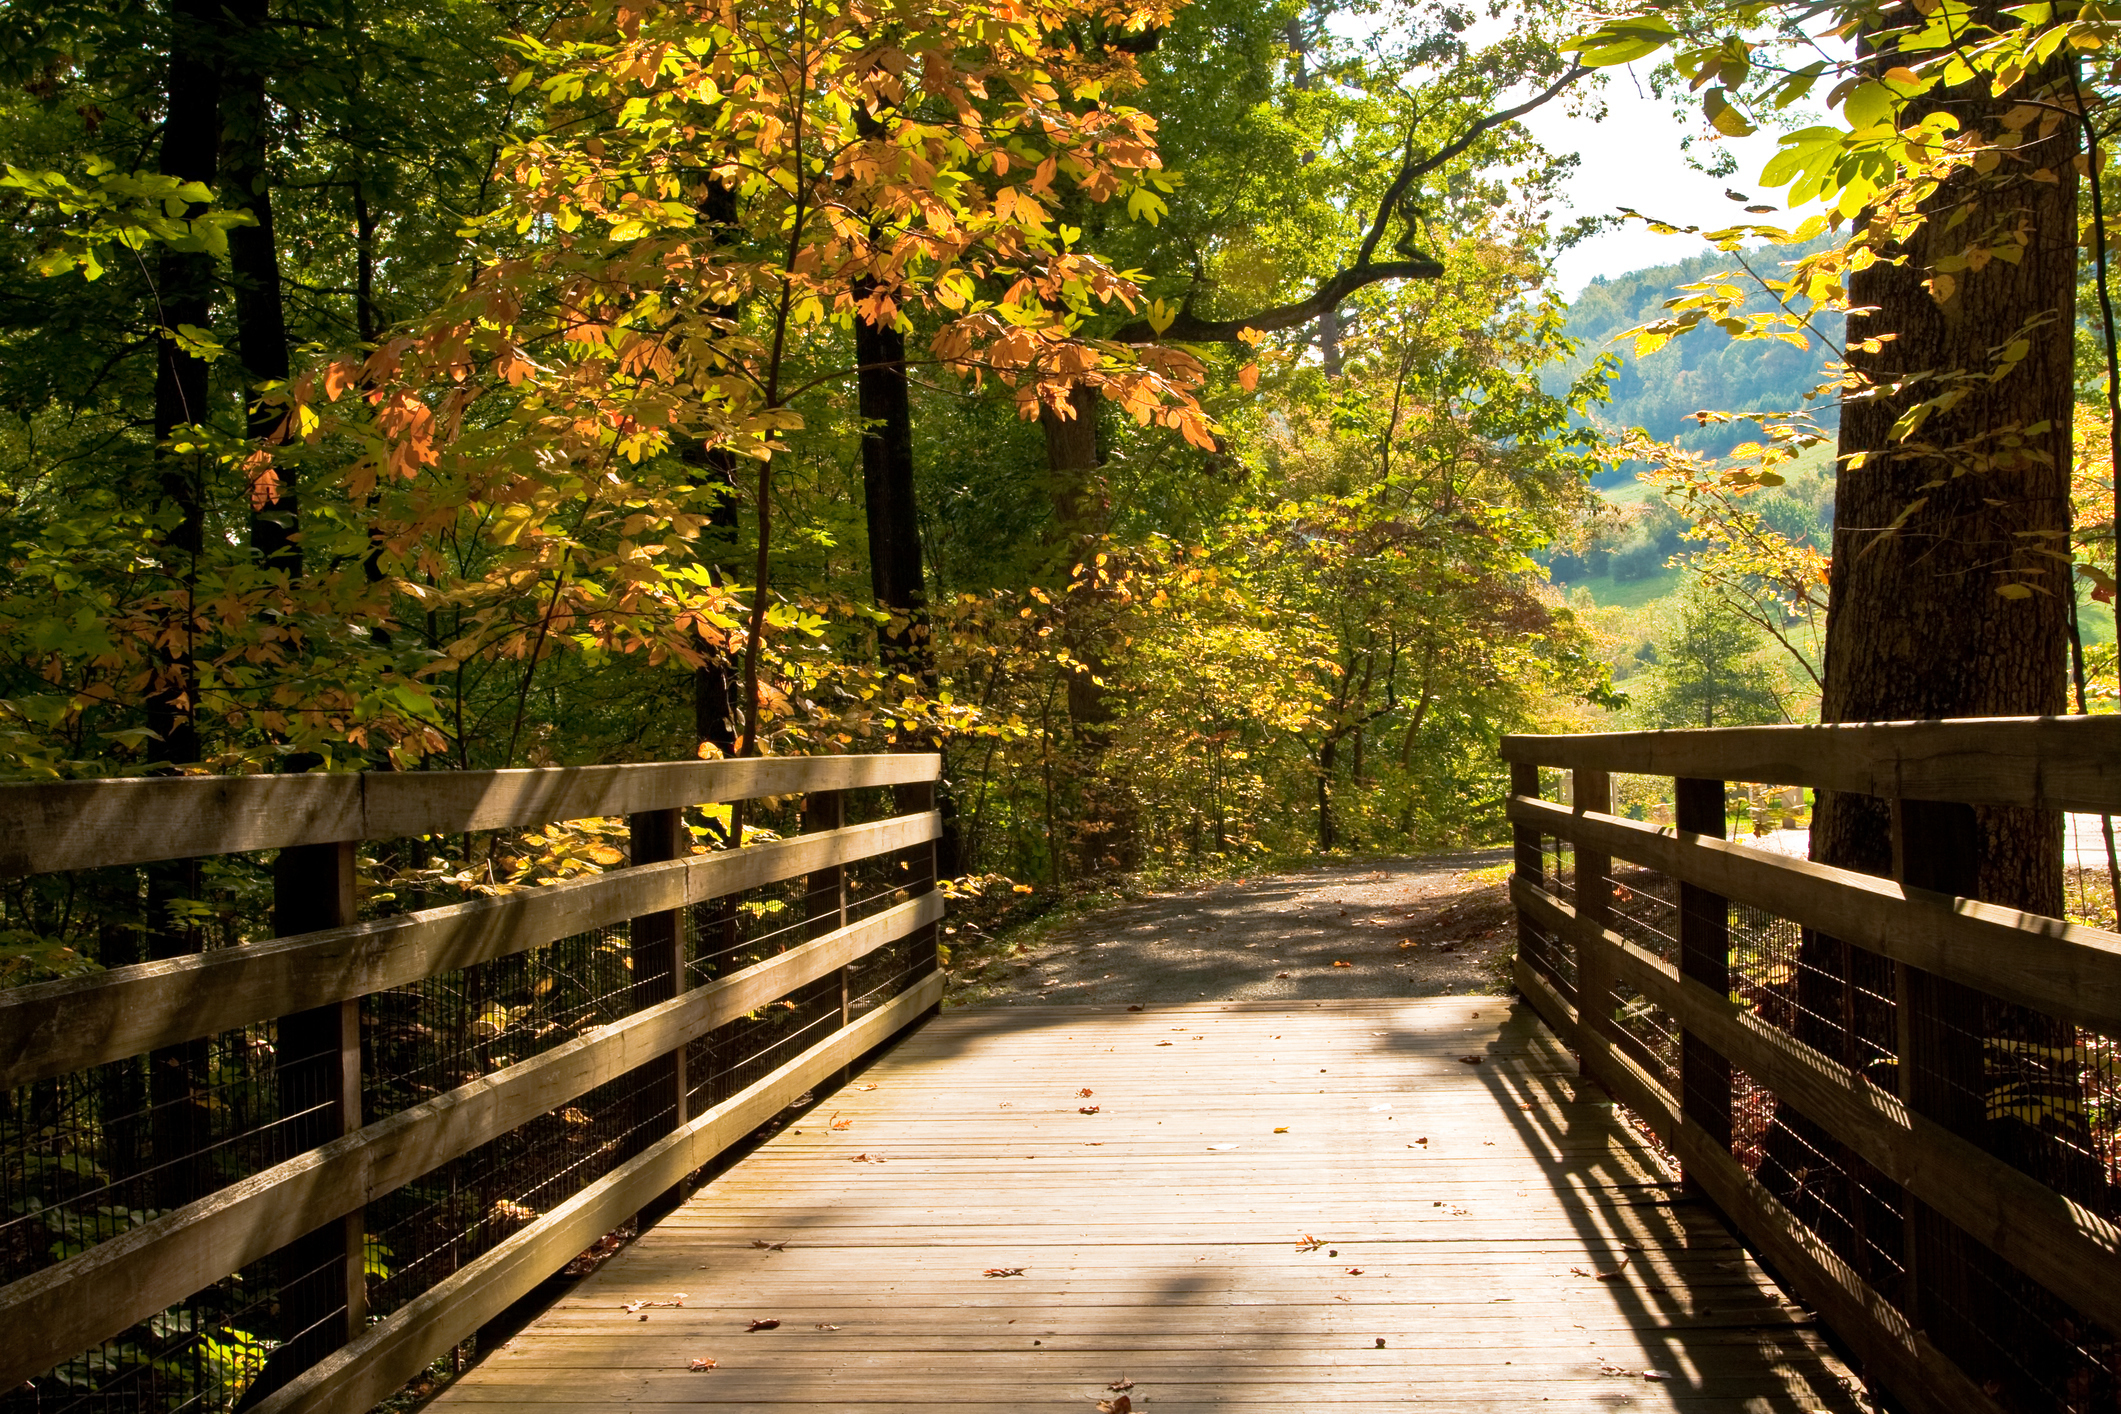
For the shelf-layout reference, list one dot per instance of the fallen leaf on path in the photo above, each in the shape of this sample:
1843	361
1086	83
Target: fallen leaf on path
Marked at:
703	1363
1086	1109
768	1323
764	1245
1004	1272
838	1123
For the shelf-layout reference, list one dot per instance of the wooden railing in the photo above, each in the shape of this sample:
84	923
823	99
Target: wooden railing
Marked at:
1806	1039
296	1224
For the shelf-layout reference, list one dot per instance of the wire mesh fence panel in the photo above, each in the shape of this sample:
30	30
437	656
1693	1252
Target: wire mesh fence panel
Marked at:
1946	1062
89	1156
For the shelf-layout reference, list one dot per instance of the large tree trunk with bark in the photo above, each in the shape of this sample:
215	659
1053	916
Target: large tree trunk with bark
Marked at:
1928	530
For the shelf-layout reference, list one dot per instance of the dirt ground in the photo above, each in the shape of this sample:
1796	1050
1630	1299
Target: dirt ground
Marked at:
1387	928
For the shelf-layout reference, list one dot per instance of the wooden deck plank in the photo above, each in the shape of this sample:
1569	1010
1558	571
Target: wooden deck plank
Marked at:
1154	1251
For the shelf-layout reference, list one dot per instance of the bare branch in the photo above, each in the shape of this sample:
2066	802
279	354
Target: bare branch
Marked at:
1188	329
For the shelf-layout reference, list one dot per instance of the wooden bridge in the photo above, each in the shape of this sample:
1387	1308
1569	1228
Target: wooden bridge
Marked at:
696	1121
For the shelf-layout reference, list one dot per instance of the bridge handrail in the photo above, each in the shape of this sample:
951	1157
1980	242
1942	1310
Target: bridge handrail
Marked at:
313	982
1582	951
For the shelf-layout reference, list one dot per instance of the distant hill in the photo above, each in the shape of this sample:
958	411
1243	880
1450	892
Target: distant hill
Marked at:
1702	370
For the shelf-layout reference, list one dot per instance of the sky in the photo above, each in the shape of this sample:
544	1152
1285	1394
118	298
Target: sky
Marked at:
1633	158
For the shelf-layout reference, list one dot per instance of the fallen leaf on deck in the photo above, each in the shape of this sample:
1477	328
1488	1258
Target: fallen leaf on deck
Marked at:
1343	964
1408	943
865	1159
1163	1043
1122	1405
1280	974
865	1087
769	1323
1380	1342
1133	1008
1121	1383
1355	1271
764	1245
1281	1129
1084	1093
838	1123
1614	1275
1219	1147
703	1363
822	1326
1471	1060
633	1306
1657	1374
1004	1272
1086	1109
1308	1243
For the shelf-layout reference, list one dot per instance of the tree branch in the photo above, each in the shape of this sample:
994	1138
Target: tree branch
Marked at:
1188	329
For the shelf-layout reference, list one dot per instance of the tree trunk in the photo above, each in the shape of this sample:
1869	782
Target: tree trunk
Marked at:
895	569
1328	761
184	287
1916	628
254	267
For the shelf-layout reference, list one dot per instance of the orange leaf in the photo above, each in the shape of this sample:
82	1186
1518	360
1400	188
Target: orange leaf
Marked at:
1248	377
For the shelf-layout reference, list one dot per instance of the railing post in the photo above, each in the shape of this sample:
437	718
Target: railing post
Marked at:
657	955
825	892
1704	956
1937	846
916	798
317	1060
1592	791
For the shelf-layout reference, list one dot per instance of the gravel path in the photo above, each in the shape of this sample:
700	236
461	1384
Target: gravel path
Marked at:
1389	928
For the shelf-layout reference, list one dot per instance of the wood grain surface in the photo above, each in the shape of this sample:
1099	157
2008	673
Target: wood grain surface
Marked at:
1489	1236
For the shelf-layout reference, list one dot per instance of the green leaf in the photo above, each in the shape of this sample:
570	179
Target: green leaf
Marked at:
1722	116
1622	41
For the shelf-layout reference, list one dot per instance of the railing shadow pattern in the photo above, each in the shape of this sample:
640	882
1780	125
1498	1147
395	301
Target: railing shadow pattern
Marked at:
1904	1099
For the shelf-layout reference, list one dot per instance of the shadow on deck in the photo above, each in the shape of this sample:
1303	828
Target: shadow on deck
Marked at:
1488	1236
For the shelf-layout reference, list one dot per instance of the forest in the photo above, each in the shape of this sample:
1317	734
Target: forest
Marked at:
1168	412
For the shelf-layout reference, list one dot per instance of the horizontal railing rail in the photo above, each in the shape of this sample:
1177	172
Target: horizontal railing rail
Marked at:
1783	1026
833	978
50	826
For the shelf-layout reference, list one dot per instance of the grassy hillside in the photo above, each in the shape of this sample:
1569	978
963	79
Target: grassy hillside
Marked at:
1704	369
